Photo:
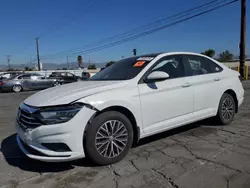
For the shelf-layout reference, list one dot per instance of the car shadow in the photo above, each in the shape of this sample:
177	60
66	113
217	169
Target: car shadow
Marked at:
172	132
14	156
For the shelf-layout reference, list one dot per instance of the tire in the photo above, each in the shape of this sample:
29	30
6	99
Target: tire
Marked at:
94	147
17	88
226	110
56	83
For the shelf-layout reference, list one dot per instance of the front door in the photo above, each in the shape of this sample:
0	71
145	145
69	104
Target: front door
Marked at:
169	103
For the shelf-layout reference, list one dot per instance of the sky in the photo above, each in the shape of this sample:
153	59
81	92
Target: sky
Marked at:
68	24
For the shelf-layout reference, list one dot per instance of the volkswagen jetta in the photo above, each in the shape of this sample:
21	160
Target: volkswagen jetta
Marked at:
134	98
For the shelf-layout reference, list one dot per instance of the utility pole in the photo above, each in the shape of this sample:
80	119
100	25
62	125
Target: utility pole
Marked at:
37	53
68	62
243	38
8	61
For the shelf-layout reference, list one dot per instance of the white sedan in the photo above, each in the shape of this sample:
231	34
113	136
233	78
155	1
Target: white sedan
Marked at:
134	98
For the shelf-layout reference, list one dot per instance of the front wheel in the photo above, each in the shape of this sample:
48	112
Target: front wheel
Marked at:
108	138
227	109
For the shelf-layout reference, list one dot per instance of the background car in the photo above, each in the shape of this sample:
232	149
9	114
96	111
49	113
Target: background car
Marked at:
7	75
85	75
29	81
64	77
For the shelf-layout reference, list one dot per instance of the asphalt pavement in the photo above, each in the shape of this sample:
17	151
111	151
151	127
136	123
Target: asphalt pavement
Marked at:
199	155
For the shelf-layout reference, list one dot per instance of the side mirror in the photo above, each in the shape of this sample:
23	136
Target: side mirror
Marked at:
157	76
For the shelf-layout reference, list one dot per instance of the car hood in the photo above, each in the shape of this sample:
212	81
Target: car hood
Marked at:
68	93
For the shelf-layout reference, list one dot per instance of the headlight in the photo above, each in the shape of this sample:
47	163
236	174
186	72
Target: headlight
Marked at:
58	114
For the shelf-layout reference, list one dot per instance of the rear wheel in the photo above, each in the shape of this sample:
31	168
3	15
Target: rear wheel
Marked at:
56	84
17	88
227	109
109	138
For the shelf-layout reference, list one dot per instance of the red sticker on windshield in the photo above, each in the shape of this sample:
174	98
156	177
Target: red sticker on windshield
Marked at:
139	63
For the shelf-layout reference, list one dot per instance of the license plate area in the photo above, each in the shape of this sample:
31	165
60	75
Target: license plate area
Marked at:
24	133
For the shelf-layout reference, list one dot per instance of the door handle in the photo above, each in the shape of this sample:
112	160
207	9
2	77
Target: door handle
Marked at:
186	85
217	79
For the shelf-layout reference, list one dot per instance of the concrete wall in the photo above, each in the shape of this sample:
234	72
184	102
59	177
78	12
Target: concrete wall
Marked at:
235	64
77	72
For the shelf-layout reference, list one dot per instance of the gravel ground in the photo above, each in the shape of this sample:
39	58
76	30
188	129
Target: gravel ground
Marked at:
196	155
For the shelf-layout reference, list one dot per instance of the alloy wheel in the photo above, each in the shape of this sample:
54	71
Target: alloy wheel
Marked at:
17	88
56	84
227	109
111	139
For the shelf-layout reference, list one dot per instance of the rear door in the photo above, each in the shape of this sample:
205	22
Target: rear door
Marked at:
71	77
43	83
206	82
169	103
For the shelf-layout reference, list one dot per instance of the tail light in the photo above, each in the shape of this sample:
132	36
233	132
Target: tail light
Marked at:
1	83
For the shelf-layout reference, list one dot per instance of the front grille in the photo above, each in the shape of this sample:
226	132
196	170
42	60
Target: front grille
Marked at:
27	120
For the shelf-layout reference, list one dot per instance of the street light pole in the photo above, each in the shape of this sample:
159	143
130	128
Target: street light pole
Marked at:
68	62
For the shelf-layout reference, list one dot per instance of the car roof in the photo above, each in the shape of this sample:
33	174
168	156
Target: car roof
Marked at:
150	55
181	53
169	53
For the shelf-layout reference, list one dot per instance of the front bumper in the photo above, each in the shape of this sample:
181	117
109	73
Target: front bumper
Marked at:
31	141
240	101
241	97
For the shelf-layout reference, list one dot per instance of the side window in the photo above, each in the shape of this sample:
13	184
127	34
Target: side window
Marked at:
69	74
26	77
172	65
201	65
214	67
198	65
63	74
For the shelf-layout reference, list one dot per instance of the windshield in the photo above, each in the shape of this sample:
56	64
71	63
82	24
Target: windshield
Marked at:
124	69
